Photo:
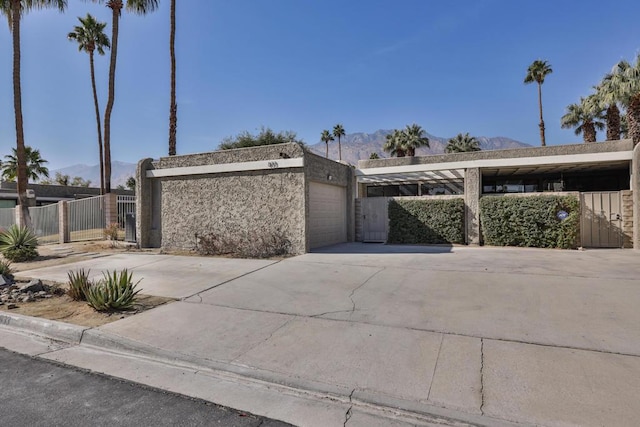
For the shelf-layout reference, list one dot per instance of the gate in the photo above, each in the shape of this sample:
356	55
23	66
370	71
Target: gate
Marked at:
601	219
45	223
7	217
374	219
86	219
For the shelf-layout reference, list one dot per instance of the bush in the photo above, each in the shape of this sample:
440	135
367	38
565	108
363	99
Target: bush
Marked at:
78	284
115	291
111	233
18	244
530	221
5	269
426	221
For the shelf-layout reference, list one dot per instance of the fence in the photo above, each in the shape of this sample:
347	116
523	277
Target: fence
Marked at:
125	205
7	217
86	218
45	223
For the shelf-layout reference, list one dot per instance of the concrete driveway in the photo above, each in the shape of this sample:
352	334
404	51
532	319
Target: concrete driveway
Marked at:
541	336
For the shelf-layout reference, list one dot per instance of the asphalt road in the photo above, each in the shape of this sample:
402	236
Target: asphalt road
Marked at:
39	393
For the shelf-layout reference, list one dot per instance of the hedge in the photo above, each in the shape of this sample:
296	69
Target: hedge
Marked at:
530	221
426	221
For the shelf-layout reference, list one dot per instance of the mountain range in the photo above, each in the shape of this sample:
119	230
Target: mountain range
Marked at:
355	146
359	146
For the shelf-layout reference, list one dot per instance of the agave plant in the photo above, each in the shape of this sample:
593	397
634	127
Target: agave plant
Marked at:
115	291
5	269
18	244
79	284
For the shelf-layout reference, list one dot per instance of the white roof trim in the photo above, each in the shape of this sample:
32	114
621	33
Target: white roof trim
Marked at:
501	163
227	167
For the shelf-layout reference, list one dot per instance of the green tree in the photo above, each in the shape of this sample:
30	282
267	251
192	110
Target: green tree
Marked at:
140	7
585	117
462	144
394	144
35	166
610	105
14	10
78	181
173	107
414	139
90	37
537	72
374	156
131	183
338	132
326	137
266	136
623	86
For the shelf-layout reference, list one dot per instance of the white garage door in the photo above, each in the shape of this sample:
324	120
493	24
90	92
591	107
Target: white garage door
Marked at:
327	214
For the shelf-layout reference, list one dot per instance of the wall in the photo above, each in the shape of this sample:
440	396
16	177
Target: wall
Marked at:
627	219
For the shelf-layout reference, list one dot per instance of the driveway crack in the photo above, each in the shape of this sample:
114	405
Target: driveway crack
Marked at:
353	303
349	413
435	366
482	376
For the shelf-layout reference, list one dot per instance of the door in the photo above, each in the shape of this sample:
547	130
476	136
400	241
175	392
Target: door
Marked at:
327	214
374	219
601	222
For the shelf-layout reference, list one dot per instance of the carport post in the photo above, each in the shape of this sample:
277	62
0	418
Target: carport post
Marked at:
63	222
472	192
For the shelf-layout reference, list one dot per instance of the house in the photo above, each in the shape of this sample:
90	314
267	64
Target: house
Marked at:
45	194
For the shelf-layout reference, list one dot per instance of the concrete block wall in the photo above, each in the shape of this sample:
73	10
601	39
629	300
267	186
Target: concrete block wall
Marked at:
627	219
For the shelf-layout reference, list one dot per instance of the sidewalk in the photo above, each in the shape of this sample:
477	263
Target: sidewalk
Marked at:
401	339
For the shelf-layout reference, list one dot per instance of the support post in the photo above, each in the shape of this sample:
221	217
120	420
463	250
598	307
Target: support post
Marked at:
144	205
472	193
63	223
635	188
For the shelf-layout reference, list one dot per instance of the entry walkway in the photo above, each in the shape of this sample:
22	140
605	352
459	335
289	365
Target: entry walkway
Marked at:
482	335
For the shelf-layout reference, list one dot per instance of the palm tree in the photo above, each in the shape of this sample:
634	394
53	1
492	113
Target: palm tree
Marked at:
141	7
610	105
326	137
91	37
338	132
35	165
536	72
414	138
14	9
395	144
586	117
623	86
462	144
173	108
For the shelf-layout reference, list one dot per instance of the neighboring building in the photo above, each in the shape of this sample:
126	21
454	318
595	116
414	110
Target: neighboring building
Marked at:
45	194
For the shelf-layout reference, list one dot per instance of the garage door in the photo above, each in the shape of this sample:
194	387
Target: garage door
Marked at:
327	214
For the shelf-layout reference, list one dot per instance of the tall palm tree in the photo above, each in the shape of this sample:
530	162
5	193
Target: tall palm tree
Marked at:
326	137
537	72
414	138
173	108
462	144
610	105
91	37
395	144
338	132
624	87
141	7
14	10
35	165
585	117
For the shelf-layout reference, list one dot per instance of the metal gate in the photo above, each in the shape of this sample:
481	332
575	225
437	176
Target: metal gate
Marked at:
45	223
86	218
7	217
601	222
374	219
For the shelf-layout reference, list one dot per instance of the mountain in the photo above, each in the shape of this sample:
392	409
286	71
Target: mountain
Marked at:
359	146
120	172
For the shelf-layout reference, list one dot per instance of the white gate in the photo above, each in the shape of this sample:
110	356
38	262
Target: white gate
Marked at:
126	205
601	219
45	223
7	217
86	218
375	222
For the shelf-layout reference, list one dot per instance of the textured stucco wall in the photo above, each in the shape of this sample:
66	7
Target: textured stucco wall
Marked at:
252	154
627	219
635	187
235	206
555	150
472	194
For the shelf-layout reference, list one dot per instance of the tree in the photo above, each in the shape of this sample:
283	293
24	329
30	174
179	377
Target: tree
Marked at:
91	37
35	165
394	144
140	7
78	181
374	156
462	144
173	107
414	138
14	10
610	105
326	137
623	86
537	72
338	132
131	183
266	136
585	117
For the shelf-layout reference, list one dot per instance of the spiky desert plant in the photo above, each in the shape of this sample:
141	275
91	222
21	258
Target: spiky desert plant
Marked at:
5	268
18	244
114	292
79	284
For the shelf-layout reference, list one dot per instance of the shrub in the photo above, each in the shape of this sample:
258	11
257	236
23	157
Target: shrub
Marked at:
115	291
426	221
530	221
111	232
18	244
78	284
5	269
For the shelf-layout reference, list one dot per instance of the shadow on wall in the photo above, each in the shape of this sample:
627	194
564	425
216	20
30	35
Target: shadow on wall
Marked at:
383	248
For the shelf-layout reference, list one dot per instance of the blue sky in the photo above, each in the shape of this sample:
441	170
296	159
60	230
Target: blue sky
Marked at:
305	65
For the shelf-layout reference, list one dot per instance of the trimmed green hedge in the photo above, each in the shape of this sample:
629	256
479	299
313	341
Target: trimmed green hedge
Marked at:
426	221
530	221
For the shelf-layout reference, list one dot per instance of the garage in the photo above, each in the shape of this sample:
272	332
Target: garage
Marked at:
327	214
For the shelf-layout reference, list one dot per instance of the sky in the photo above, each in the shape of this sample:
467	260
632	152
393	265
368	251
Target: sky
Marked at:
305	65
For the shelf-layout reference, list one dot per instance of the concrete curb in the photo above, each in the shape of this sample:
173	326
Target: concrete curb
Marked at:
52	329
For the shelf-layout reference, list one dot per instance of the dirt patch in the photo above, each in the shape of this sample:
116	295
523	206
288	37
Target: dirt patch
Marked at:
64	309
